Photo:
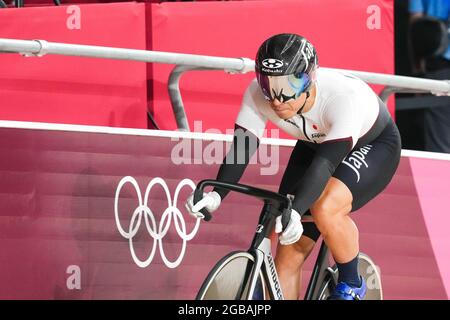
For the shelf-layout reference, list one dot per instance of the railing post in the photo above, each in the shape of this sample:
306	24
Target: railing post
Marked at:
175	95
389	90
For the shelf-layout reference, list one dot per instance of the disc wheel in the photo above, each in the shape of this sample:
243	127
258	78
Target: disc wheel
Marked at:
229	279
367	269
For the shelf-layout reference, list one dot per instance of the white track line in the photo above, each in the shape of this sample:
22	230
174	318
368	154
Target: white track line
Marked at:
178	135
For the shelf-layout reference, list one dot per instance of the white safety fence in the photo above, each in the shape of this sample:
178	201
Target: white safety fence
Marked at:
187	62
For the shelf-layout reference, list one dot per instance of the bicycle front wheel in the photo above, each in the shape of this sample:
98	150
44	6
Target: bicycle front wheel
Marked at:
230	277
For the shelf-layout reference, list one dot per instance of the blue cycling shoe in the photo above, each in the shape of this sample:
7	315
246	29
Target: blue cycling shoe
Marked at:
345	292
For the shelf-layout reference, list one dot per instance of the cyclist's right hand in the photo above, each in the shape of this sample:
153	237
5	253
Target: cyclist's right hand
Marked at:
293	231
210	201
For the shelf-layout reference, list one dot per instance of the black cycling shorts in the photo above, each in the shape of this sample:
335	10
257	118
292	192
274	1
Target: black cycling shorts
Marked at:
366	170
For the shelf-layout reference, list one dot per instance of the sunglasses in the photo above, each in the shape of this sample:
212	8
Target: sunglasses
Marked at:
283	88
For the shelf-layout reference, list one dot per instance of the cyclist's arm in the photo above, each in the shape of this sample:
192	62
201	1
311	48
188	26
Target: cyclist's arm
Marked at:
249	127
416	9
235	162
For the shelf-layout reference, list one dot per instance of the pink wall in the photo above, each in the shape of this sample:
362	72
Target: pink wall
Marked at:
432	182
57	193
236	29
114	93
69	89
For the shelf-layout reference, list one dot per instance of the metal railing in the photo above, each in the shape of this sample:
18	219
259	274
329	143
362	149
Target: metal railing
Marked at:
189	62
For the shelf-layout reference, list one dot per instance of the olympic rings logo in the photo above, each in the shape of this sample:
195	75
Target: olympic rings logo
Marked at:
171	213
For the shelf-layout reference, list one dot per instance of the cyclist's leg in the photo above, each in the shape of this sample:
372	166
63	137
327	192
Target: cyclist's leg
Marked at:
330	213
289	259
364	173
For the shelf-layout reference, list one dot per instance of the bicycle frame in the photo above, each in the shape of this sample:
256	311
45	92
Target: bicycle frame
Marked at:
264	262
320	271
260	248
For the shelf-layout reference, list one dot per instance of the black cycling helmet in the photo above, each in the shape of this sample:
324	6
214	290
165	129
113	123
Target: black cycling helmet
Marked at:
285	66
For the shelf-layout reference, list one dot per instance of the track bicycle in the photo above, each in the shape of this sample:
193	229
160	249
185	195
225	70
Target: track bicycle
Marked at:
252	275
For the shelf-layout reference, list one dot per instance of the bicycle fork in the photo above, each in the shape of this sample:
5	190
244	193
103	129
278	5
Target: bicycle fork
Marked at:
264	261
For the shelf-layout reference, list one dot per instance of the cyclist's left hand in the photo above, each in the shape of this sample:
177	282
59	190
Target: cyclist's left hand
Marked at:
293	231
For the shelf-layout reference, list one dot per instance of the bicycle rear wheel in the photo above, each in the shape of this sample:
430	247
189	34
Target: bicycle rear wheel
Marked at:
367	269
229	279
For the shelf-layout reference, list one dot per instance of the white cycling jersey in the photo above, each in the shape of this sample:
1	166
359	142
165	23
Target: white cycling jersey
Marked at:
346	115
345	107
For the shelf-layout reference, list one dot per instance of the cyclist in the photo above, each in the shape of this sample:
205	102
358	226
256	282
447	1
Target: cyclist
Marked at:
347	152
